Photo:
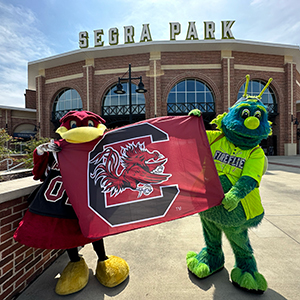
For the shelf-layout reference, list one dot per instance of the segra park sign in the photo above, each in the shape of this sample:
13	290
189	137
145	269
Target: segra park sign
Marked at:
175	30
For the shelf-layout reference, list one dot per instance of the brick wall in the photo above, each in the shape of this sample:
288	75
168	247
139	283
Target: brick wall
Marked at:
259	66
30	101
19	265
10	120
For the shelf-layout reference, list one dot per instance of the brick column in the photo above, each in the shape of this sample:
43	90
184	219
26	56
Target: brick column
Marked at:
41	109
154	107
30	101
89	71
290	146
228	98
7	121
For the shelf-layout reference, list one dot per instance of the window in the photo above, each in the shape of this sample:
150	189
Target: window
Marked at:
268	98
190	94
118	104
66	100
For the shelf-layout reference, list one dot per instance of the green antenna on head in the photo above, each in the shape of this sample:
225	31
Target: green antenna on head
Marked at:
266	86
246	86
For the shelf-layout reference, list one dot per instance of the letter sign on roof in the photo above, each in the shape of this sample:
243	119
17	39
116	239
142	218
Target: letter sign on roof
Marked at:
175	30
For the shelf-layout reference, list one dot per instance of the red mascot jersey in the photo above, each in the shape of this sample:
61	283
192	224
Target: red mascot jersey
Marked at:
50	222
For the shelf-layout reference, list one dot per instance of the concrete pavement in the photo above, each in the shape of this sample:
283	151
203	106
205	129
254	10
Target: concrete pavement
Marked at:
156	254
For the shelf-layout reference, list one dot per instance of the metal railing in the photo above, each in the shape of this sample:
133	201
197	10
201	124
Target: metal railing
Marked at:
179	108
114	111
184	108
271	108
10	162
120	110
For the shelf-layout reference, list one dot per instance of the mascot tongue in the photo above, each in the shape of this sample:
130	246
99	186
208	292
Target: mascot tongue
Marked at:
82	134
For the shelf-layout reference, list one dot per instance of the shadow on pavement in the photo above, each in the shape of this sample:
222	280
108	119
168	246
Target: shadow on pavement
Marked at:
224	289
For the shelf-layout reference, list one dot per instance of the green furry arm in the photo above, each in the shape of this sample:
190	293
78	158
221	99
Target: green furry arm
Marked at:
195	112
239	191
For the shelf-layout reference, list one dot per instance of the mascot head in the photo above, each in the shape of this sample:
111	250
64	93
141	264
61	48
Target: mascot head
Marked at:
81	126
246	124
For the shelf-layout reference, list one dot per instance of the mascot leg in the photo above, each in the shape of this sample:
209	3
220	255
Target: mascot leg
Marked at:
75	276
211	258
244	274
111	270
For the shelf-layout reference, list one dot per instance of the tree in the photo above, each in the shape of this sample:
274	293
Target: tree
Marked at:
4	139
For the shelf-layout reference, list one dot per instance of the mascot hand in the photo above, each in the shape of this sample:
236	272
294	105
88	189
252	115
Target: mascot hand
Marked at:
47	147
230	201
195	112
239	191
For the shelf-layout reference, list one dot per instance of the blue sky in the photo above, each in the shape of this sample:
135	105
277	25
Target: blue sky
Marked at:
35	29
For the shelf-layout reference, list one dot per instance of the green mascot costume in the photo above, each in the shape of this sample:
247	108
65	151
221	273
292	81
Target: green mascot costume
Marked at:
240	164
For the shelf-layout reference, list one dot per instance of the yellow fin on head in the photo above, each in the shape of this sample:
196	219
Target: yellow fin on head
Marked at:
218	120
271	131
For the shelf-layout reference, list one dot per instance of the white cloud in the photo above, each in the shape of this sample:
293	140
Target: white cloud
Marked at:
20	42
39	29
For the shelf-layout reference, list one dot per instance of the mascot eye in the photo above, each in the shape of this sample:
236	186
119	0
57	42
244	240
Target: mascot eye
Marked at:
245	113
91	123
257	114
73	124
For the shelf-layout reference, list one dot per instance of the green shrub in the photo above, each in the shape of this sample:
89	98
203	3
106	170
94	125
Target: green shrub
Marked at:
4	139
29	148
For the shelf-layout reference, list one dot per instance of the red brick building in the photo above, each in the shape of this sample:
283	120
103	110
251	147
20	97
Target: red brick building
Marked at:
18	122
178	76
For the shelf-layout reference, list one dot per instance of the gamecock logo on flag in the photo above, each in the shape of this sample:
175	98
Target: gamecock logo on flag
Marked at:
139	169
140	175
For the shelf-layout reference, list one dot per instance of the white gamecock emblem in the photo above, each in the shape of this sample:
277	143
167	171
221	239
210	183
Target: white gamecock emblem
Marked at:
136	168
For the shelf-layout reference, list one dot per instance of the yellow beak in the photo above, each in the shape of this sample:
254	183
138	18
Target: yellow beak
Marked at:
82	134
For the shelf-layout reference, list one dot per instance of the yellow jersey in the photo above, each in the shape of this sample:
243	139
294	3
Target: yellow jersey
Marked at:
234	163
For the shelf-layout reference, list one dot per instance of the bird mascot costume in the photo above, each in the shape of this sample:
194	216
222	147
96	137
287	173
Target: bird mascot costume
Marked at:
51	223
240	163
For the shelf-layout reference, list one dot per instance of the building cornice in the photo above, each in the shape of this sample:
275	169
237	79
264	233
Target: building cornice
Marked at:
17	108
160	46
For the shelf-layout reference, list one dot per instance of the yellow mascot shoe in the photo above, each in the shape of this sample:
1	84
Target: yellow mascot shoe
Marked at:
112	271
74	278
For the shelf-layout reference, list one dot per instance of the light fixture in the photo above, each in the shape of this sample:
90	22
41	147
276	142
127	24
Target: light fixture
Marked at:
141	88
119	89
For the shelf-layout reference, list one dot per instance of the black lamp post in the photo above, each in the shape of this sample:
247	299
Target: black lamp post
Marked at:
120	90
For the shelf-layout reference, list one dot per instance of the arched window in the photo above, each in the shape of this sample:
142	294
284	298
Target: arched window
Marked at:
65	101
268	98
116	109
25	131
190	94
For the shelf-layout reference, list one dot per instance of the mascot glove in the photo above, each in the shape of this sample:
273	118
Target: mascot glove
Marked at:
47	147
230	201
195	112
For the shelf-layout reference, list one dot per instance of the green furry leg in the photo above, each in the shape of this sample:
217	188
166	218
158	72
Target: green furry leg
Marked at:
204	264
211	258
245	274
256	283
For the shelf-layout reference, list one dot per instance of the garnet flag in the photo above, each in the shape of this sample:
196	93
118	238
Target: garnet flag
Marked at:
139	175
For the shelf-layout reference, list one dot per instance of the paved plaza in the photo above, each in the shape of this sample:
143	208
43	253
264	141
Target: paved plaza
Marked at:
156	254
